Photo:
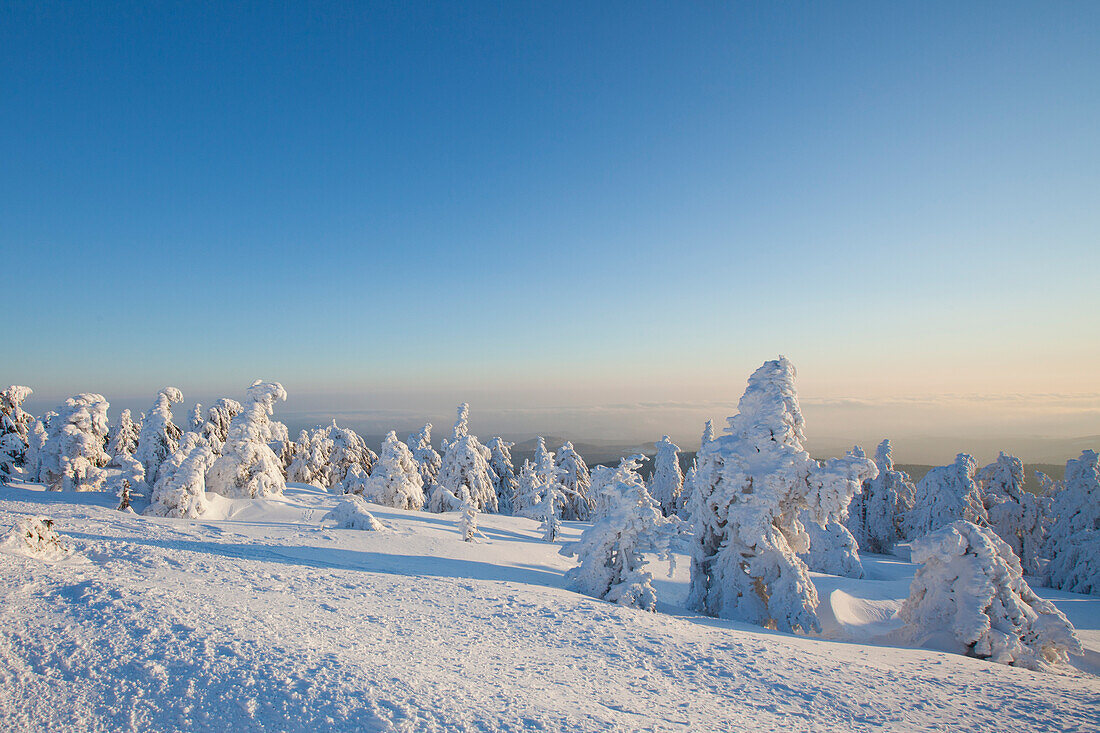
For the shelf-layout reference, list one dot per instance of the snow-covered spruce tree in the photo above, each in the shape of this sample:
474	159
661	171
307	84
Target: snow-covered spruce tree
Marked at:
395	479
15	428
465	463
218	418
611	551
36	447
125	471
875	517
667	481
309	459
159	435
1016	515
970	591
833	484
180	489
944	495
123	436
429	460
528	491
348	449
1074	542
73	455
467	523
684	503
248	467
750	487
196	422
576	481
542	492
504	473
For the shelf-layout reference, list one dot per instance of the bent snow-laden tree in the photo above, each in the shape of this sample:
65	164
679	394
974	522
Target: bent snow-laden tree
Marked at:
180	489
159	435
667	481
1015	514
612	551
946	494
750	487
465	463
970	593
875	517
395	480
248	467
420	443
576	481
73	455
833	483
504	473
1074	543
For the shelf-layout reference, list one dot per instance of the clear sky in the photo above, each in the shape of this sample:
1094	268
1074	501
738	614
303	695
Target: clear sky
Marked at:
559	209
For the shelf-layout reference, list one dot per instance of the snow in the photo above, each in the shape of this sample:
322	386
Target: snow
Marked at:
258	617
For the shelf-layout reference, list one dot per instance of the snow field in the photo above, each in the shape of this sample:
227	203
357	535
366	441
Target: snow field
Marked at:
262	619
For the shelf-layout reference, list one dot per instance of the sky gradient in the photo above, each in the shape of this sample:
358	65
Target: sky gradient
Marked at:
550	208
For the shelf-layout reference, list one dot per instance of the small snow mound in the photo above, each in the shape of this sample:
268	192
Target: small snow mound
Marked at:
36	537
352	513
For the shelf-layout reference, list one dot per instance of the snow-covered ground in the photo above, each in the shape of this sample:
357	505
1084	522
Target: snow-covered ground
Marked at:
264	620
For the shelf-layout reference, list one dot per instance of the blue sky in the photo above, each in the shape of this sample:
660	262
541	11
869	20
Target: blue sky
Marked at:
551	204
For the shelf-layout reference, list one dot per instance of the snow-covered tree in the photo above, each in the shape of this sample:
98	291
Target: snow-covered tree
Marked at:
708	434
159	435
352	513
124	435
1016	515
504	473
73	453
833	484
309	459
970	591
15	428
683	506
612	551
875	517
946	494
180	489
541	494
528	491
1074	542
429	460
218	418
197	420
248	467
125	472
576	480
395	479
467	523
35	455
667	481
348	449
749	489
465	463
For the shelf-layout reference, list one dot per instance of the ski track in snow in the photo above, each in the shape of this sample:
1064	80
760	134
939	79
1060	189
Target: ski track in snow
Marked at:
267	621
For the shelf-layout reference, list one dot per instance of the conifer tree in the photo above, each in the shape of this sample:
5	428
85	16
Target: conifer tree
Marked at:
159	436
666	481
248	467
